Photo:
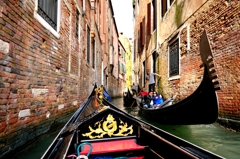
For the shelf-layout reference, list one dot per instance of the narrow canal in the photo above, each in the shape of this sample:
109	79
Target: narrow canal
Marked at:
211	137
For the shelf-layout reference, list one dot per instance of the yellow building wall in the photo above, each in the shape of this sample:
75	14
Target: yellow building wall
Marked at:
128	47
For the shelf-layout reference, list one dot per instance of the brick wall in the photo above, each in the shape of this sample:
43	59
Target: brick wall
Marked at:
221	20
43	78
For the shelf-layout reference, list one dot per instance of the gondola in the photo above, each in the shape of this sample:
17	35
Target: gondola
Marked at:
201	107
128	99
98	129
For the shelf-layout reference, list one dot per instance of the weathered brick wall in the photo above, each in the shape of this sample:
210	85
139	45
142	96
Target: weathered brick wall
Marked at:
115	88
224	30
221	20
38	84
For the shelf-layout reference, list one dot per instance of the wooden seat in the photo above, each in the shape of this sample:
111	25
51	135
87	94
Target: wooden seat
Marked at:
112	146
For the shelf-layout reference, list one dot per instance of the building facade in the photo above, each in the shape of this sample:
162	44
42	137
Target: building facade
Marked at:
167	35
126	43
122	64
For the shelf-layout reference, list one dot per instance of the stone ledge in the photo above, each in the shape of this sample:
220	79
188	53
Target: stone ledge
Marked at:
229	123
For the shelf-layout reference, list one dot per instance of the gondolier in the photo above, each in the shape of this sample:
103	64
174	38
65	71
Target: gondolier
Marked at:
151	80
134	88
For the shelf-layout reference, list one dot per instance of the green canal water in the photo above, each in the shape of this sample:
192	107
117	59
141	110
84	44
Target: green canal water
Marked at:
211	137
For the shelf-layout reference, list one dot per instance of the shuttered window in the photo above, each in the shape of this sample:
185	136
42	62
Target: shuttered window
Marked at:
139	41
174	58
143	32
47	9
93	54
154	16
164	7
149	19
88	45
140	37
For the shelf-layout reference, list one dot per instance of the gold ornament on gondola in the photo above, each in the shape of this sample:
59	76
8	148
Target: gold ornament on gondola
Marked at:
99	92
108	127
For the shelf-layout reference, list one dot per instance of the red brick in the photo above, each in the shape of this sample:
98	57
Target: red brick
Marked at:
13	120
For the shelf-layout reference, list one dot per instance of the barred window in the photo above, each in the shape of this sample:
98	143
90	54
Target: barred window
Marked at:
77	23
47	9
93	54
174	58
88	45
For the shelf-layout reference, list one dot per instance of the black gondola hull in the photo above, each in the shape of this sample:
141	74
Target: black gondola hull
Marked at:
201	107
128	100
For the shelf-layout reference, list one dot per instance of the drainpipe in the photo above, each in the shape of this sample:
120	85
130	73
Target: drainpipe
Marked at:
84	8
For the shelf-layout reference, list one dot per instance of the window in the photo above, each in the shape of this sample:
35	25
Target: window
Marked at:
135	51
174	58
154	58
151	17
165	5
139	41
143	32
140	37
77	23
154	15
48	10
93	53
88	45
143	74
119	65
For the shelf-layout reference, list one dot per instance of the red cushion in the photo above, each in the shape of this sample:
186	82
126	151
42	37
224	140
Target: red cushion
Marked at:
144	93
111	146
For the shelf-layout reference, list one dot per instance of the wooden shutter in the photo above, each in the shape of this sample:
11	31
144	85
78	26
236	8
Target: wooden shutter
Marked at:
149	19
143	31
164	7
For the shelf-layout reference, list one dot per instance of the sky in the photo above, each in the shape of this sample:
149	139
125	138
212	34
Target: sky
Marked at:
123	13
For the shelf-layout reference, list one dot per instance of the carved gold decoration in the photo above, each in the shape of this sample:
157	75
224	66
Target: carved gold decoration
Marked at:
108	127
99	91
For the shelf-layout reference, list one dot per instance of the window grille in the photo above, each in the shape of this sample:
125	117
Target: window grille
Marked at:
174	58
77	22
47	9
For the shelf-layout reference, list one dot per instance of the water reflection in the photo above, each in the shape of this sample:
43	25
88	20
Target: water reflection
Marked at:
211	137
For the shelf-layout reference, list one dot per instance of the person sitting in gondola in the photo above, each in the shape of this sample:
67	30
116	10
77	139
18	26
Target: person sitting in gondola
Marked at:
148	100
157	99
